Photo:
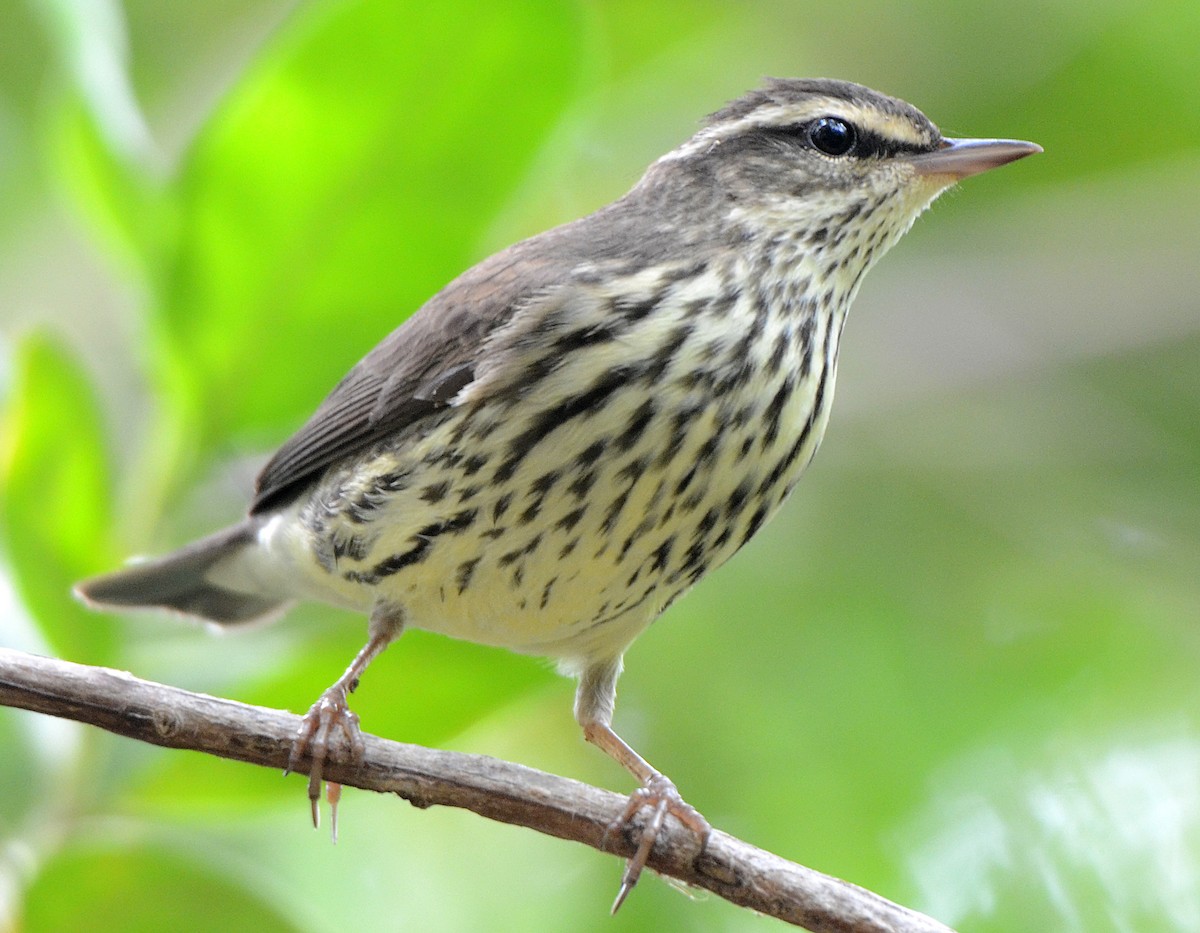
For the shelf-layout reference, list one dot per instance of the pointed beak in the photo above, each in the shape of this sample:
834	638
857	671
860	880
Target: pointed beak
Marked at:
960	158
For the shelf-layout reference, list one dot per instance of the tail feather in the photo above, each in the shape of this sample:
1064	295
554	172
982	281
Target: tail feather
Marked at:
180	582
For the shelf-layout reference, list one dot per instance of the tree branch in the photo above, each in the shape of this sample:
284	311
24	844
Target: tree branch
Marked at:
499	790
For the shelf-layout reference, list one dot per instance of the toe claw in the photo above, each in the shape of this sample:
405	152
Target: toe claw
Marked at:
327	724
333	793
314	794
657	792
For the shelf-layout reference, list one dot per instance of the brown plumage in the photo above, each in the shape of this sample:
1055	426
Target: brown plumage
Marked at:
573	432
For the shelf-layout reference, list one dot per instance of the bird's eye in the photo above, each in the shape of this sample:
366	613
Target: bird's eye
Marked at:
832	136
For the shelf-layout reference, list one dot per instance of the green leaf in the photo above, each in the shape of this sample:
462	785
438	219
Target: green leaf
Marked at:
345	180
131	212
54	494
93	45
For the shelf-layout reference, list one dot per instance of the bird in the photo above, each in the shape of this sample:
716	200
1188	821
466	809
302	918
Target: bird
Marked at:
569	435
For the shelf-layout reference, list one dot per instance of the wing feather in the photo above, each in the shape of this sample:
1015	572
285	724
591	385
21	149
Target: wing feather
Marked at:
435	357
418	369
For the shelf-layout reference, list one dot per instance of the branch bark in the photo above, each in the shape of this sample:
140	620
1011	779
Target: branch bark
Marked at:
499	790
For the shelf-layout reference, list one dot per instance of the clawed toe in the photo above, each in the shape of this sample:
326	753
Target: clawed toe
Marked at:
658	794
328	727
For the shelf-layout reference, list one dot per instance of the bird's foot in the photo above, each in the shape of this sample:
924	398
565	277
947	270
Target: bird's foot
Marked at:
330	727
659	795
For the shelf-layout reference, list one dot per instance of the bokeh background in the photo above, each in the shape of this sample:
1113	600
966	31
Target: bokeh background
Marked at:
960	669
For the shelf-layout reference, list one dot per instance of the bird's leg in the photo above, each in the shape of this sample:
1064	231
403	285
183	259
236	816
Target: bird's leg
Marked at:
593	709
330	721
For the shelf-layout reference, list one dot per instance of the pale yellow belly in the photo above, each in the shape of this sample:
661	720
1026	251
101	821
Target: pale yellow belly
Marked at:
568	540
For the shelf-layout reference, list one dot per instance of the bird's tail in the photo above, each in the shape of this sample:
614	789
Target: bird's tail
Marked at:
181	581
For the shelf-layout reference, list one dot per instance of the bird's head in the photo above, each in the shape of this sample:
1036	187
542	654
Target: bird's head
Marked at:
837	169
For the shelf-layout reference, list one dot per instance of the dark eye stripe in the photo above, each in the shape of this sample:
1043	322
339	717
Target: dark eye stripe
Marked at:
868	146
874	145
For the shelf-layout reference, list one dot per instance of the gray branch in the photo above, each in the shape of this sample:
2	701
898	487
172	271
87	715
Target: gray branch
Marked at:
499	790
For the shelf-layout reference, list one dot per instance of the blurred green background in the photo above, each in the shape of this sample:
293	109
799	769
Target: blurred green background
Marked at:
960	669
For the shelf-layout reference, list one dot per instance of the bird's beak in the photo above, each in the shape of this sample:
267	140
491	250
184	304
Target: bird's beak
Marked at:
960	158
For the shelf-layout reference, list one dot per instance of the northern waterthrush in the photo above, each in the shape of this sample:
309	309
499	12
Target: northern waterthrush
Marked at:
573	432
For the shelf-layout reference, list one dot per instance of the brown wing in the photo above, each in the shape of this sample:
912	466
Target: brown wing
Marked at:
419	367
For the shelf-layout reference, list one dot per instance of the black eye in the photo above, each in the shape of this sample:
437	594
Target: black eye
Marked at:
832	136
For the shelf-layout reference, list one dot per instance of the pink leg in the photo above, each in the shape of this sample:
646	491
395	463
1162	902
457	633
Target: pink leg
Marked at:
593	709
331	722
